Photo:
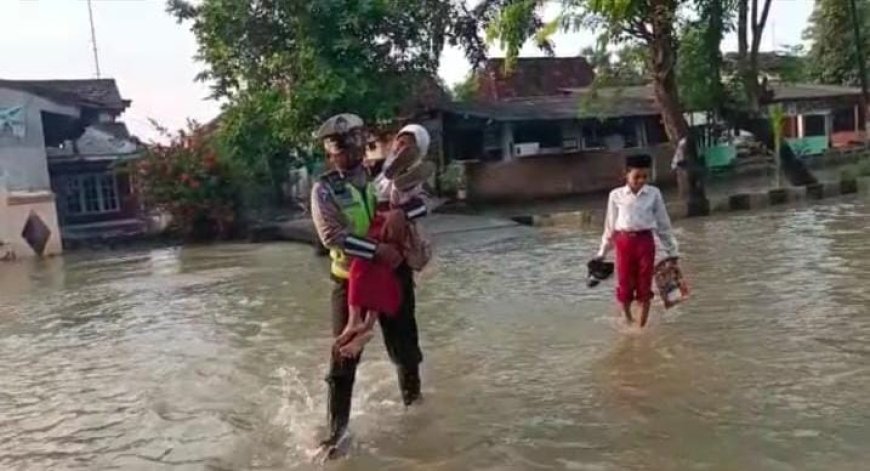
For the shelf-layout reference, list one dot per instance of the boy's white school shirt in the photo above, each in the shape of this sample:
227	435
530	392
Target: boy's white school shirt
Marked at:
632	212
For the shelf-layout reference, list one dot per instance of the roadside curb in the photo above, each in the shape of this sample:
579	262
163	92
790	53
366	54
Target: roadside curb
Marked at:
738	202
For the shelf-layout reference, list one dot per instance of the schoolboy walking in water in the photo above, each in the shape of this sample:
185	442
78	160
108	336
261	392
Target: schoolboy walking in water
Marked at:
635	212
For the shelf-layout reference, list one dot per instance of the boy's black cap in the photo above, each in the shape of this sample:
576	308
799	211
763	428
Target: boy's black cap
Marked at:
638	161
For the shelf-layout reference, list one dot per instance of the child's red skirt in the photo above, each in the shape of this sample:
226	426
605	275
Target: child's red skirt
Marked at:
372	285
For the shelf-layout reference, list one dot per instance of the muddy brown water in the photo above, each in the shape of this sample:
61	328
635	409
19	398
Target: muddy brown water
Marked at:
213	357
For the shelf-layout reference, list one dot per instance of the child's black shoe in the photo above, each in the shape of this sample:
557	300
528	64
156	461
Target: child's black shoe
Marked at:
597	271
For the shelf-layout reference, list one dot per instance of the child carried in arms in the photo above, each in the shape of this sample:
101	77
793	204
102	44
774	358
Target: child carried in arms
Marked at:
373	288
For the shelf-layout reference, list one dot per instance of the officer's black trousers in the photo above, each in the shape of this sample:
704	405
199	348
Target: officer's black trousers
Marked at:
403	347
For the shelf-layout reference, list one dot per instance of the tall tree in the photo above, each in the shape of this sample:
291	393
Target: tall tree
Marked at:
699	67
325	56
465	90
283	66
649	22
751	22
860	59
752	16
621	67
794	64
837	26
832	50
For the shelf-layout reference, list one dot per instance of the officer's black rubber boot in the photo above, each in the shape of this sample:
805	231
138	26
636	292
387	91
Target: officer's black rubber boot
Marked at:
334	447
409	383
340	394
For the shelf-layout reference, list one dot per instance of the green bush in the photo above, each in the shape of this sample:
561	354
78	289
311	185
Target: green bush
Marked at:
253	140
860	169
186	179
452	178
848	173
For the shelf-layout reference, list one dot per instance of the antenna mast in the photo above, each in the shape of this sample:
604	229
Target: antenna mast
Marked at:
94	39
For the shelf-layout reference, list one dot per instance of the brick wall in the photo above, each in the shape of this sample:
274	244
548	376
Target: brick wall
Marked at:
847	139
553	176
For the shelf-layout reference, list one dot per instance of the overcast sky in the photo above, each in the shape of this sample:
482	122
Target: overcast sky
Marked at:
151	56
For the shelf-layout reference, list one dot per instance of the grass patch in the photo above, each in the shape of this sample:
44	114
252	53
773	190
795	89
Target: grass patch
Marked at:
859	169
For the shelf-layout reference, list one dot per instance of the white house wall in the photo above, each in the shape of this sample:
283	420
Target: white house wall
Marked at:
25	187
23	162
15	210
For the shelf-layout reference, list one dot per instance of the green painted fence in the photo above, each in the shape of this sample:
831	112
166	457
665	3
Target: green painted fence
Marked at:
813	145
720	156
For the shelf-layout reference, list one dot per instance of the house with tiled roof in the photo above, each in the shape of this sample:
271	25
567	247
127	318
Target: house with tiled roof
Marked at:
60	145
531	77
541	129
538	128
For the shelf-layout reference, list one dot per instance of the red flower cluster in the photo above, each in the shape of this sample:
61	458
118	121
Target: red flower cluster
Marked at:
187	179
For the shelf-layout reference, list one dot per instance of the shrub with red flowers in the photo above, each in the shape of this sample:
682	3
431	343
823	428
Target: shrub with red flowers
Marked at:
187	179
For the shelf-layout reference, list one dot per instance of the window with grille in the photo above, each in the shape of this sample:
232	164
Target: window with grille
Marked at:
92	194
844	120
546	134
814	125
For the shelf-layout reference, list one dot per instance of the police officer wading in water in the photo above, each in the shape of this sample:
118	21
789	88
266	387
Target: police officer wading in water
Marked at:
342	206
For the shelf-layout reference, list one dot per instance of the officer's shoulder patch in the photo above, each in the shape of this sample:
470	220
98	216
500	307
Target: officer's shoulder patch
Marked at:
324	195
334	181
332	174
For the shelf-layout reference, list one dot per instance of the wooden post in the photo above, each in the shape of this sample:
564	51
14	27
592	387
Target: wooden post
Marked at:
507	140
778	148
777	117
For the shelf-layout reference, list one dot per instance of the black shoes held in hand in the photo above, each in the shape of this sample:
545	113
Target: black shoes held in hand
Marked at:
597	271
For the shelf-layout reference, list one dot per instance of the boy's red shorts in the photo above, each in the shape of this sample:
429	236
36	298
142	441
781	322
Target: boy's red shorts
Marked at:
635	265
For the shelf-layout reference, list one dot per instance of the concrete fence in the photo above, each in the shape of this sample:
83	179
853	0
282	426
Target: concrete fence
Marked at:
731	203
558	175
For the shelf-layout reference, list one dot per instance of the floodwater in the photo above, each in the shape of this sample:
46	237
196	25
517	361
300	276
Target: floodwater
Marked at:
213	358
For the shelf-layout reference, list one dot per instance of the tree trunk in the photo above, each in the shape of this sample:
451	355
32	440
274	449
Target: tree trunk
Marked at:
793	168
750	80
750	118
743	42
663	54
712	42
862	66
747	57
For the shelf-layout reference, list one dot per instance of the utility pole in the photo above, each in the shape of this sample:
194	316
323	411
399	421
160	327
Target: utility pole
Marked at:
862	66
94	39
773	36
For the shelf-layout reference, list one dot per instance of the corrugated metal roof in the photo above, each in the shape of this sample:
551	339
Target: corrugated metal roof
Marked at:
613	102
795	92
101	93
781	91
573	104
117	130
